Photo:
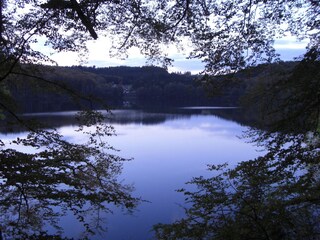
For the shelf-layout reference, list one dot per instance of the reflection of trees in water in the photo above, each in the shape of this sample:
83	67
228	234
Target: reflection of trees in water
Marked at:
146	117
55	120
272	197
276	196
58	177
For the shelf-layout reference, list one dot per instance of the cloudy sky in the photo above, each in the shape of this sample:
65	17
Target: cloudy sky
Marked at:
288	48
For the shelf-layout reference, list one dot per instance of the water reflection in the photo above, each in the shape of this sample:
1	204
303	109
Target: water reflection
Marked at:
166	156
274	196
58	119
127	116
45	177
168	149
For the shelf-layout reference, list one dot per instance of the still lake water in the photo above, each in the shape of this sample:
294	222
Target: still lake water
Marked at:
168	149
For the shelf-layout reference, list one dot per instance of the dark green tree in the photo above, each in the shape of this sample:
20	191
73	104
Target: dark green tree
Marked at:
226	35
285	97
275	196
53	177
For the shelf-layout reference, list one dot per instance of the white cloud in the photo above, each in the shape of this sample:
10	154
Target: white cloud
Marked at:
99	55
290	42
290	47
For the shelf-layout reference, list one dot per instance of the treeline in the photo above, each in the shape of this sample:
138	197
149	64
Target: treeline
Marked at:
60	89
154	86
48	88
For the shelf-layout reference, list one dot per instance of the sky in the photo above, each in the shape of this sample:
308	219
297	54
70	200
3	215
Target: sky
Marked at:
98	55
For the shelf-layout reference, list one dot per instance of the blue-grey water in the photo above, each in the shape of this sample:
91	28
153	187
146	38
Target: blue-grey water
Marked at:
168	149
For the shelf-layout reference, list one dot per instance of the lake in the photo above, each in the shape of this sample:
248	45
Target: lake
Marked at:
168	149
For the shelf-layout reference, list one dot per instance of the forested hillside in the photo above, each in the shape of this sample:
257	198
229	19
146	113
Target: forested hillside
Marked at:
117	87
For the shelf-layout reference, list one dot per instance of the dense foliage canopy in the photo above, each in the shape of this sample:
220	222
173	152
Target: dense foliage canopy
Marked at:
227	35
275	196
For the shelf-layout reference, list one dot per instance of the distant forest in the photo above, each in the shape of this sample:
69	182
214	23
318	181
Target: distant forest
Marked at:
72	88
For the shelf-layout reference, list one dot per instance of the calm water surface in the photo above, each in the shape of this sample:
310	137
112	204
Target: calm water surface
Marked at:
168	149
